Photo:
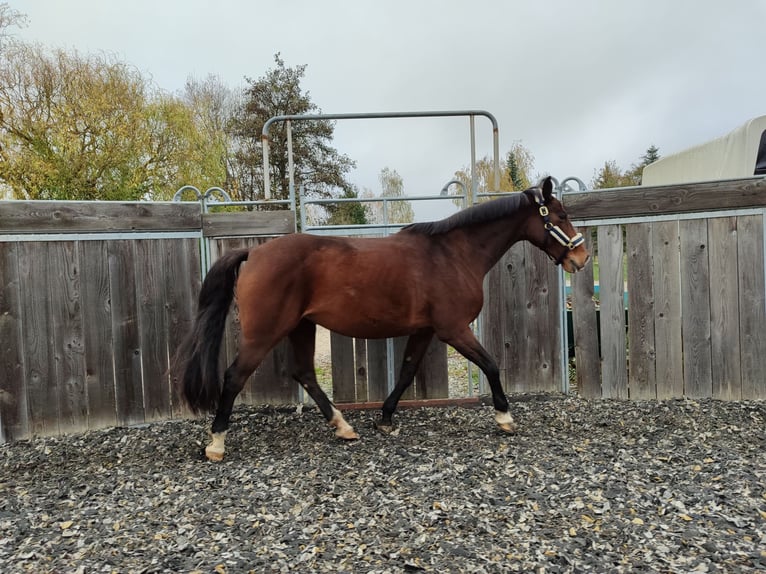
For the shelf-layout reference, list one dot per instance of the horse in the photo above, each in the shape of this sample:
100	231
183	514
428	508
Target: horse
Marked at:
424	281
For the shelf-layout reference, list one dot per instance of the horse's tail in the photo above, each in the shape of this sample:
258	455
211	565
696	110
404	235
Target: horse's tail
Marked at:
197	358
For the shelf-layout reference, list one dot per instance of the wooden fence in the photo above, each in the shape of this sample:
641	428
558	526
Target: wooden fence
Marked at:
94	298
691	259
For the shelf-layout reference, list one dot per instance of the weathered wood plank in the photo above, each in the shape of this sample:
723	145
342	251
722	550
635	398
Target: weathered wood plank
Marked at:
432	378
642	382
513	282
90	216
66	335
695	311
229	224
399	344
151	265
343	370
360	362
666	286
182	284
752	302
614	373
585	327
274	383
39	370
125	332
543	323
13	397
377	369
724	308
492	314
97	334
664	200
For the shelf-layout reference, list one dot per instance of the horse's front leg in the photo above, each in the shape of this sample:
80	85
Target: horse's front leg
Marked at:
414	352
303	341
467	345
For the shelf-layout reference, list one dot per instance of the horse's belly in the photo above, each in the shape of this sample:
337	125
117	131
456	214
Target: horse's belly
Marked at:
364	325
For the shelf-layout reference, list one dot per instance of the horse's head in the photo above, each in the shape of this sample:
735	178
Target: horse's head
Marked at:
550	229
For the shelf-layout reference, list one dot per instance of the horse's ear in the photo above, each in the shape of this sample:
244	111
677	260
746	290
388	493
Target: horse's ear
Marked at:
547	185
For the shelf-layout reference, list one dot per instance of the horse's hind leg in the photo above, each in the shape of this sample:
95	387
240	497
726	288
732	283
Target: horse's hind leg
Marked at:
247	360
303	340
414	352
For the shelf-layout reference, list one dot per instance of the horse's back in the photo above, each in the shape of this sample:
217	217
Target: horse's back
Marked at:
357	286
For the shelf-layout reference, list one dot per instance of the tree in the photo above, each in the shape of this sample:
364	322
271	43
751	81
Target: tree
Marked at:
348	212
392	186
514	176
8	18
90	127
319	168
214	108
652	154
636	171
610	175
519	162
485	179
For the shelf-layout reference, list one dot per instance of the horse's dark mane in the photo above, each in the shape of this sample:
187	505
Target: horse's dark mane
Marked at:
478	214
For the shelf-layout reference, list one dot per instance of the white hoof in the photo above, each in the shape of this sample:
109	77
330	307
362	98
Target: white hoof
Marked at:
505	422
214	451
342	428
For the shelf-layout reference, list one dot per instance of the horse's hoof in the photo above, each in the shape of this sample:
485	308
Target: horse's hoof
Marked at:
342	428
214	455
386	428
214	451
347	434
505	422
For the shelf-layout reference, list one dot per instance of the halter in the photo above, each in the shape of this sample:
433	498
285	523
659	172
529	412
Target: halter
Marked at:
556	232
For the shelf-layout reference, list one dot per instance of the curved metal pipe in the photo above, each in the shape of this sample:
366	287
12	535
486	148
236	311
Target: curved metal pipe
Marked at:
374	115
445	189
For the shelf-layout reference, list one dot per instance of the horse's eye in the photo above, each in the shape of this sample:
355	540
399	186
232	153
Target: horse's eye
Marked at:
563	215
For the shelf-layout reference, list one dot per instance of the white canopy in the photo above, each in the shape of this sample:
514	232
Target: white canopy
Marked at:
740	153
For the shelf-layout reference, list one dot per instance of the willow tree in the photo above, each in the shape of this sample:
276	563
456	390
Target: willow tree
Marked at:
515	174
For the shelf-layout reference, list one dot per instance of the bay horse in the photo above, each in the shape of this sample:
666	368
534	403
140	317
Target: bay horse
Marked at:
424	281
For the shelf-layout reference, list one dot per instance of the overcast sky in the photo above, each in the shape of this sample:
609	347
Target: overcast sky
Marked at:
577	82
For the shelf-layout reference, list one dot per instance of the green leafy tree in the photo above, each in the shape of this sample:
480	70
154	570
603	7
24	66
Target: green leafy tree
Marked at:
636	171
348	212
519	162
319	168
485	178
514	176
611	175
90	127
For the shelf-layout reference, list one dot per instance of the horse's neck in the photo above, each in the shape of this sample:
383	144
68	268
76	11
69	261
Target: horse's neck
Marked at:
484	245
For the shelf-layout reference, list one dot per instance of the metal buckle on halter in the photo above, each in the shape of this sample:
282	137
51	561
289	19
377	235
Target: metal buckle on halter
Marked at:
544	210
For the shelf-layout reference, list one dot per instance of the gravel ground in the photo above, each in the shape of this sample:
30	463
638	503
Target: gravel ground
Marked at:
584	486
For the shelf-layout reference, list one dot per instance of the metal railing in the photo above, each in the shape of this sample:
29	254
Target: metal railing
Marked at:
288	119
